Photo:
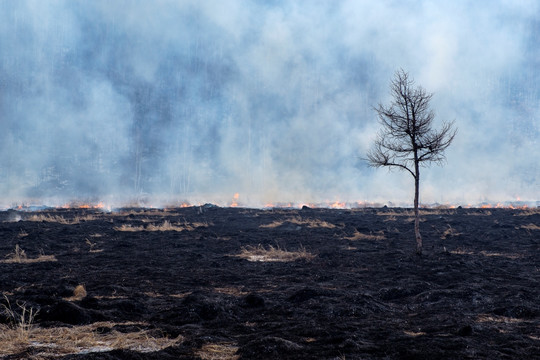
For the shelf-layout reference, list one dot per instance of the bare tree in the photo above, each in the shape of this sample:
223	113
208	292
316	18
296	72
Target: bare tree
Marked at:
407	139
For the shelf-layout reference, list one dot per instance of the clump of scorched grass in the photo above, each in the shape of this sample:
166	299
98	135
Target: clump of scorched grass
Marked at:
273	254
19	256
360	236
310	223
60	219
57	341
16	334
165	226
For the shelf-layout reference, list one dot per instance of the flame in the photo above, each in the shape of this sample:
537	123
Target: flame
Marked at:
76	205
235	200
338	205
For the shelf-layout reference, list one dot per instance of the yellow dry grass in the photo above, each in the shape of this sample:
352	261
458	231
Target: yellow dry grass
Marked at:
512	256
19	256
21	320
310	223
414	333
218	351
79	293
499	254
421	212
273	254
127	227
92	246
360	236
81	339
490	318
60	219
450	231
529	212
461	251
530	227
480	213
231	290
165	226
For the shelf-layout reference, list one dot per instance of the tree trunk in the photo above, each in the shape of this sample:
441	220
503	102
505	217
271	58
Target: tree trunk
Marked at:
416	214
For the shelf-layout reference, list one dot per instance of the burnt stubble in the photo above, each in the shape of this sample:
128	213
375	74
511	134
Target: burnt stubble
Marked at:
356	290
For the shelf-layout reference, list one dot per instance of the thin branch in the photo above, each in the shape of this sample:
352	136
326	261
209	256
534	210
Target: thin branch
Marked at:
407	133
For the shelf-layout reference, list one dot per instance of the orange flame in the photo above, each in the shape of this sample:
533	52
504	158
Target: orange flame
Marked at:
235	200
338	205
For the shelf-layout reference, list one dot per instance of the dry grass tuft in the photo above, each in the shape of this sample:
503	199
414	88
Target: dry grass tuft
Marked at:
19	256
273	254
60	219
414	333
480	213
79	293
218	351
530	227
460	251
310	223
165	226
126	227
512	256
21	322
529	212
411	219
490	318
92	246
397	213
231	290
359	236
450	231
82	340
498	254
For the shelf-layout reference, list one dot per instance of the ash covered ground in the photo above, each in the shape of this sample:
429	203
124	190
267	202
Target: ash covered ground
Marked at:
233	283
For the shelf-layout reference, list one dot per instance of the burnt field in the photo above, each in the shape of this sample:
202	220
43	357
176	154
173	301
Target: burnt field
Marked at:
232	283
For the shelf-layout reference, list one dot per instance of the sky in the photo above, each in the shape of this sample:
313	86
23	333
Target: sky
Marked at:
165	101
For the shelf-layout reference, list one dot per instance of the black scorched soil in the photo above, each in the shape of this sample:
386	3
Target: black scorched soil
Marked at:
274	284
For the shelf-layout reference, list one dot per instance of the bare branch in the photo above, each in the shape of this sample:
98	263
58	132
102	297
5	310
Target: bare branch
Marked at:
407	134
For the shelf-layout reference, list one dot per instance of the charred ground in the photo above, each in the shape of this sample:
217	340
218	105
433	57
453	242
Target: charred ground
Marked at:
184	283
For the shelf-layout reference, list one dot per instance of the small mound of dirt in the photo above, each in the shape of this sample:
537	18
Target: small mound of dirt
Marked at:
253	301
65	312
203	306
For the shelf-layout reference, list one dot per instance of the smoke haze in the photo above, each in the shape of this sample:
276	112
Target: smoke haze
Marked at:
198	100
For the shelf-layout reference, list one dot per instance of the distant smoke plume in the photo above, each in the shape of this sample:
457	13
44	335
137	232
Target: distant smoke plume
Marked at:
199	100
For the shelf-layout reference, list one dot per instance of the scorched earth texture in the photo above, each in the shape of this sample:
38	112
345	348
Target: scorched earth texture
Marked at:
218	283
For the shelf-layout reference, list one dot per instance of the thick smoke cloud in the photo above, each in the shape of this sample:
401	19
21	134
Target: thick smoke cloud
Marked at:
199	100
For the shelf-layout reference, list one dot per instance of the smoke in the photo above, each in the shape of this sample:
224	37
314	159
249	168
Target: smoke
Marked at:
187	100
